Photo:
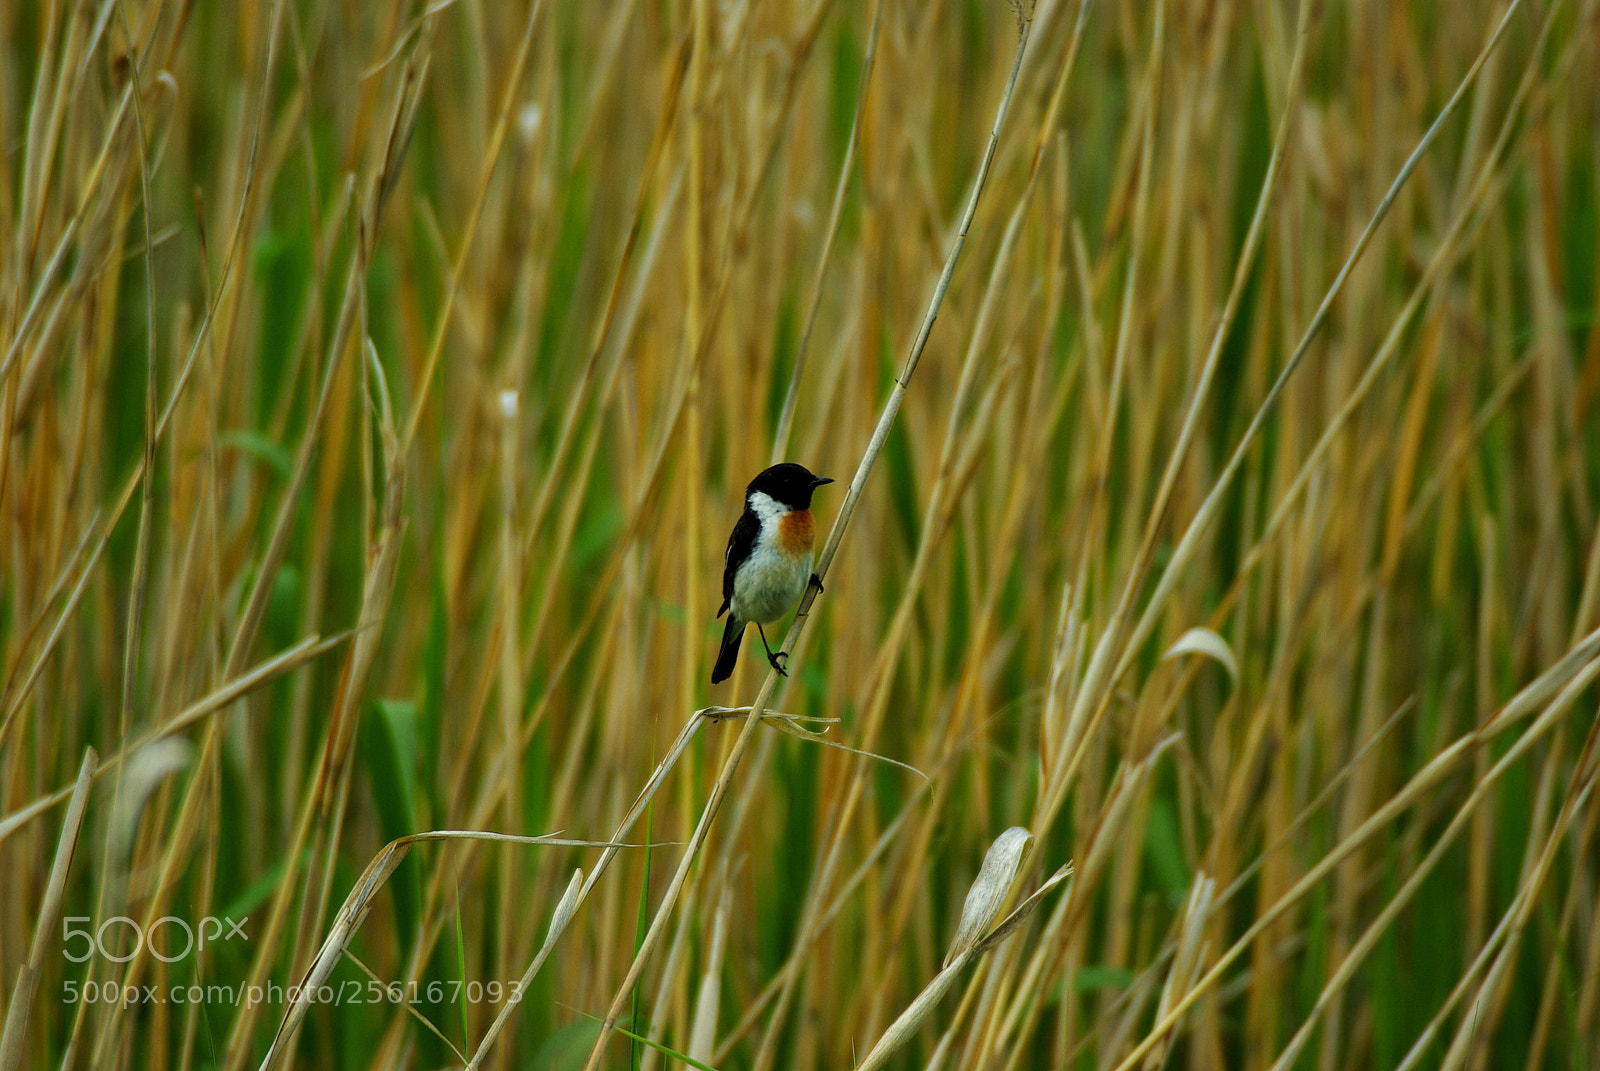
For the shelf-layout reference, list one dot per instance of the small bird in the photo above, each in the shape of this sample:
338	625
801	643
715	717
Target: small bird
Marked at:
768	562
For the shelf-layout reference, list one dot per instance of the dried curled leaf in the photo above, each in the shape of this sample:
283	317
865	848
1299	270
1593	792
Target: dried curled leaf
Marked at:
989	890
1203	641
147	767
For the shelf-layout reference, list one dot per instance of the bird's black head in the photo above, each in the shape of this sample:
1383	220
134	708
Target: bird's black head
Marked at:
787	483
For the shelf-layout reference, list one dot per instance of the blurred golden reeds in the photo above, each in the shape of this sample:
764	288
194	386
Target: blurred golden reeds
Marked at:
378	384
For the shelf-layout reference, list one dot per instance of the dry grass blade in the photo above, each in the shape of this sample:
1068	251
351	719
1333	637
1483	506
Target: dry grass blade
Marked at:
417	1016
250	681
1501	945
359	902
791	725
780	436
1186	960
1019	914
491	158
1208	510
14	1034
14	700
709	997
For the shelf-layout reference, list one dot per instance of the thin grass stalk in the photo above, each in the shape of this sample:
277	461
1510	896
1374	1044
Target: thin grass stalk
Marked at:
652	1022
796	960
1441	765
709	997
511	687
385	524
141	564
829	549
141	554
325	791
135	480
483	806
604	345
1190	948
1106	835
624	828
1493	988
791	396
1551	987
953	734
358	905
66	242
17	697
1517	915
1150	92
14	1035
1488	186
1190	541
220	699
1244	264
1207	511
1094	688
469	229
800	50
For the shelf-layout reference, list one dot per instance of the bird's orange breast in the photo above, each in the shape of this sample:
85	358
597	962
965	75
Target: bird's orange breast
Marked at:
796	530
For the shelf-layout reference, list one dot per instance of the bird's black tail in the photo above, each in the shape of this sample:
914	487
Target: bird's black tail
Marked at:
730	650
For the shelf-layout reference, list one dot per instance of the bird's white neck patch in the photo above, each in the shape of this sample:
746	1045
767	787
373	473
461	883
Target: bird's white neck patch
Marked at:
766	507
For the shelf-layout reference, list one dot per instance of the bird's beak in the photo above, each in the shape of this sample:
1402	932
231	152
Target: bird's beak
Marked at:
818	481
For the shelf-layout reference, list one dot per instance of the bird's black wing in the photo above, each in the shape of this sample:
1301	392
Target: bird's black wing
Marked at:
740	543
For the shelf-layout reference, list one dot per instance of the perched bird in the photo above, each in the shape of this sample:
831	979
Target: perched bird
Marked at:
768	562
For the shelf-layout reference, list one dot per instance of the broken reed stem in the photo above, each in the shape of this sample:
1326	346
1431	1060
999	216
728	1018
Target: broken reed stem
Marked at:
835	535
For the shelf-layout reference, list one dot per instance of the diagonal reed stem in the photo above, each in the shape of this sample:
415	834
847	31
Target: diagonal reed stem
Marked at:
869	458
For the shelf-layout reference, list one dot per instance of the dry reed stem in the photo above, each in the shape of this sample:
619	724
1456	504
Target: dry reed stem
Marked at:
252	680
1207	511
1569	685
780	436
14	1034
954	472
358	905
491	158
825	558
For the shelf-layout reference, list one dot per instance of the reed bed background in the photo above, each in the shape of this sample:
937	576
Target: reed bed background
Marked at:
380	383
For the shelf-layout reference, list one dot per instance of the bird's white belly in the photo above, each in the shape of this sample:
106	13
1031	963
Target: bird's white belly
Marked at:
769	584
